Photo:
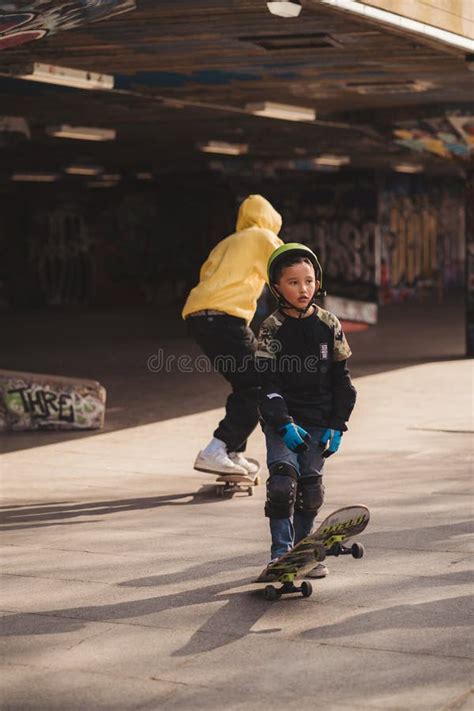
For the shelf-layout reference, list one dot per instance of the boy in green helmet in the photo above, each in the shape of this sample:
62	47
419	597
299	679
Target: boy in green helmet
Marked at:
306	396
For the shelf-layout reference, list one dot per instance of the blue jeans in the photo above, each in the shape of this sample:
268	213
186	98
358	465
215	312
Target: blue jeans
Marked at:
286	532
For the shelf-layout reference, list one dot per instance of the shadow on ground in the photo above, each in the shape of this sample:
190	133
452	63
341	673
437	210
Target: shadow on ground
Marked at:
40	515
241	610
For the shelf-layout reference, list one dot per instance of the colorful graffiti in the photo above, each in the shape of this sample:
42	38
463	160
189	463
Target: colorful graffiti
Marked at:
422	241
35	402
464	125
11	34
437	136
401	241
346	246
339	222
139	246
22	22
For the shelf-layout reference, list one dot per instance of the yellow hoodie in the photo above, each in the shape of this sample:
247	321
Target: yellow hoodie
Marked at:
232	277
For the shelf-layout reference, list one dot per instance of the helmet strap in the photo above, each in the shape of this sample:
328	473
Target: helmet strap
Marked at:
284	304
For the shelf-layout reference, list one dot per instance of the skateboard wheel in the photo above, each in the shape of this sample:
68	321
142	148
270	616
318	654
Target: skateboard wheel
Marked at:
319	553
257	480
250	491
306	588
270	593
357	550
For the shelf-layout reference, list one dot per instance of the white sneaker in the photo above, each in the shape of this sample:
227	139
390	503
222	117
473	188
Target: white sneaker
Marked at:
218	462
266	576
319	571
251	466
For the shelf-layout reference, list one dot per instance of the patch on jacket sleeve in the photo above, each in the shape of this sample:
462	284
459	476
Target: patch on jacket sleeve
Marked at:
341	348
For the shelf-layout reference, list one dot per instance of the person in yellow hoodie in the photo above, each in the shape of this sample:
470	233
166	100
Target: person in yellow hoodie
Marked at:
218	312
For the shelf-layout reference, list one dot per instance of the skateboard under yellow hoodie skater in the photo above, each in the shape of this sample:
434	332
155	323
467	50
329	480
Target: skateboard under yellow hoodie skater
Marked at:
218	312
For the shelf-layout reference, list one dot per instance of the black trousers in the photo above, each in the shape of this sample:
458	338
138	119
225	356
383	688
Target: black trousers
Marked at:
230	345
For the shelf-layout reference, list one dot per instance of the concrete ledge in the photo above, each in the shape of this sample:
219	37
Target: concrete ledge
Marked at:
30	401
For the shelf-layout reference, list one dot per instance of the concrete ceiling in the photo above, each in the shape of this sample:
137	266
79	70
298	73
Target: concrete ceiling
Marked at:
185	69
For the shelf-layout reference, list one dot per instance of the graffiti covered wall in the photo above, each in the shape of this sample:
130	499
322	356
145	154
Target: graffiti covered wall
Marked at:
133	245
137	245
422	237
63	259
22	22
338	219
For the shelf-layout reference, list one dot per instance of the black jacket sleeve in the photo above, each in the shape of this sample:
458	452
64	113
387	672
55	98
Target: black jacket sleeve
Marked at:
271	405
344	396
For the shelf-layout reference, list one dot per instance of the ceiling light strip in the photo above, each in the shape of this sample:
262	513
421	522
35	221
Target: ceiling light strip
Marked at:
35	177
224	148
79	169
285	112
408	168
82	133
332	160
65	76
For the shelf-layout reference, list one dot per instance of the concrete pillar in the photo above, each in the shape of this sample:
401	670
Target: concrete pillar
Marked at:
470	265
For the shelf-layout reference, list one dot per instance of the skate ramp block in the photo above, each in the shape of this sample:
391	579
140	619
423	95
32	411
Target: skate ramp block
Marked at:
30	401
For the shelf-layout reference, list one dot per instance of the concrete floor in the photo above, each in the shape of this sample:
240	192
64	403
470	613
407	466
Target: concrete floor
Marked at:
128	585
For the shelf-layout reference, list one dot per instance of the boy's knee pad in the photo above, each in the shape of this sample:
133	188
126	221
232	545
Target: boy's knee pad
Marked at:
310	494
281	491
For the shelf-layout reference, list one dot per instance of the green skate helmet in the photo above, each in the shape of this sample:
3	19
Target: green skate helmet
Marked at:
293	249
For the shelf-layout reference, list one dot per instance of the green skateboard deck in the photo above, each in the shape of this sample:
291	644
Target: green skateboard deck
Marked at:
329	538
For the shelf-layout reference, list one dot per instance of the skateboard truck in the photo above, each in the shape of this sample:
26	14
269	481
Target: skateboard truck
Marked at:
227	487
334	546
288	587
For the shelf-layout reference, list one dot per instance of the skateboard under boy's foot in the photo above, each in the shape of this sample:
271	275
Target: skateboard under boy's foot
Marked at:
330	538
228	484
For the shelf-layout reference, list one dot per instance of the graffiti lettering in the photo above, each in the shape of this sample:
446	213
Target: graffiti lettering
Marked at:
45	404
347	248
421	241
410	243
339	222
351	522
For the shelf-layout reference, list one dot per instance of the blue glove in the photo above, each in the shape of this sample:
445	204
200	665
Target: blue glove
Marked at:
294	437
330	442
